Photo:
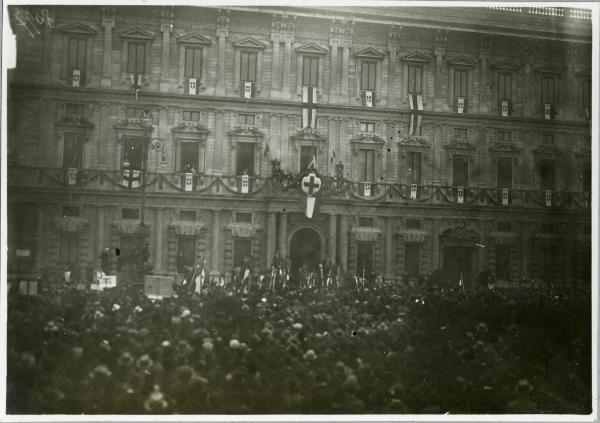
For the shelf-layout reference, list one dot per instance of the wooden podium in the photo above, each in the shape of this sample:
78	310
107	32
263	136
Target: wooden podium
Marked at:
156	286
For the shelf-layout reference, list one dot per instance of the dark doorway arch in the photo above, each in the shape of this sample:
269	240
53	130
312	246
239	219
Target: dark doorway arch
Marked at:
305	248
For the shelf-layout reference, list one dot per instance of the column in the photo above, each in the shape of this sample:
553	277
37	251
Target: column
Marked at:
221	52
166	28
333	80
283	233
158	240
483	105
332	236
99	233
216	238
389	236
439	51
108	22
287	64
435	238
343	250
345	66
271	228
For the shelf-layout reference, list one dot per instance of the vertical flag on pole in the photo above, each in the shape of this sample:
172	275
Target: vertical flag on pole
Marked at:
76	77
247	89
367	189
413	191
416	113
548	198
71	176
460	105
369	98
504	108
505	196
547	111
193	86
460	194
244	184
309	110
189	181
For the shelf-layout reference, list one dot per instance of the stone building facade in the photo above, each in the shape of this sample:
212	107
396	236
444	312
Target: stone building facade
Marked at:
504	185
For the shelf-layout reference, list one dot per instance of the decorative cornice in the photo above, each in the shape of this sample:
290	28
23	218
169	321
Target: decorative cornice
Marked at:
311	48
505	147
550	68
249	42
71	224
369	53
416	57
547	150
194	38
309	134
412	235
246	131
504	238
506	65
190	128
184	228
460	143
459	233
462	60
242	229
137	34
78	29
415	141
75	122
365	234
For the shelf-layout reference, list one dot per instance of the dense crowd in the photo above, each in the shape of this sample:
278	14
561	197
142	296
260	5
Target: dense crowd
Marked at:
373	349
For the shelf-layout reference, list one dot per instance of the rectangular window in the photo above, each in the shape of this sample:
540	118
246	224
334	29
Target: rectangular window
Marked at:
586	95
413	224
547	228
503	226
193	62
246	119
460	170
548	139
415	76
70	211
547	174
132	152
504	86
130	213
77	53
136	57
73	150
187	215
411	259
460	133
190	153
548	90
191	116
248	66
26	222
367	127
69	249
310	71
245	158
242	248
243	217
134	112
74	109
306	155
503	270
461	82
414	167
186	253
504	176
364	258
368	76
366	169
365	221
504	136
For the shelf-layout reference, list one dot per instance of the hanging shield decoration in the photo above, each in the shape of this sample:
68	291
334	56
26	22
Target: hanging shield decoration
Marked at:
311	184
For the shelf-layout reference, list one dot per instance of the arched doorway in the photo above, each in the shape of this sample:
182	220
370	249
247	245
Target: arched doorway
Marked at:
305	249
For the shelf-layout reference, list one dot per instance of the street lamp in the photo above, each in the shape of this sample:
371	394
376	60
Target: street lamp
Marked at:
155	144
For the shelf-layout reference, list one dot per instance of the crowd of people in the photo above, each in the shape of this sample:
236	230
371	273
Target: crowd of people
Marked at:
376	348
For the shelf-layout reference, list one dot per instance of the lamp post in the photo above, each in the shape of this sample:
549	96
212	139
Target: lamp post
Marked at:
156	144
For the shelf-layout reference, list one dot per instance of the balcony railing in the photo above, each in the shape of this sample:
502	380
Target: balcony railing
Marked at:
38	178
548	11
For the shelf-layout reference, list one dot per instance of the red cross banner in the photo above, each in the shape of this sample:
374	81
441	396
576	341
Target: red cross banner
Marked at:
311	184
309	109
416	113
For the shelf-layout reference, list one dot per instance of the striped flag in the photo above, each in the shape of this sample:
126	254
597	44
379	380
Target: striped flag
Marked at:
309	110
76	77
416	113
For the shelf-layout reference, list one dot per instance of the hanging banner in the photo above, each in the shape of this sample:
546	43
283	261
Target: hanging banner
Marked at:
505	196
460	105
460	194
71	176
413	191
189	182
367	189
548	198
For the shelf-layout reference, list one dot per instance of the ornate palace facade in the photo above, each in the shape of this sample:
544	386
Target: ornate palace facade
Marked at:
445	139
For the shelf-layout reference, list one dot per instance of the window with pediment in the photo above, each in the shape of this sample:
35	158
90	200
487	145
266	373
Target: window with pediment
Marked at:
548	89
73	132
136	57
311	58
190	144
368	151
504	70
461	69
248	62
78	55
413	68
584	78
245	143
193	59
368	70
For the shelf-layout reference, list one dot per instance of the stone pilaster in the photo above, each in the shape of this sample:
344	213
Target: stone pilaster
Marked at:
108	23
271	228
222	34
166	27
